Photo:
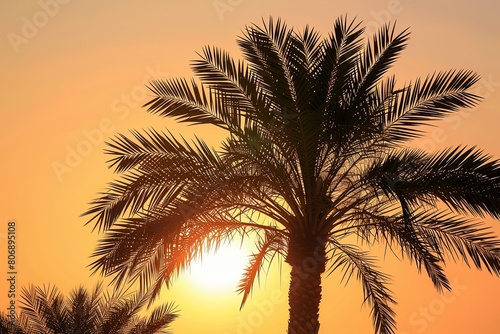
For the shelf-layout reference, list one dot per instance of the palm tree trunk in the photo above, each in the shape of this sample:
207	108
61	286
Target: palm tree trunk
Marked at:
308	263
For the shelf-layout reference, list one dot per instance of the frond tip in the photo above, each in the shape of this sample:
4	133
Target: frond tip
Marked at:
272	244
350	259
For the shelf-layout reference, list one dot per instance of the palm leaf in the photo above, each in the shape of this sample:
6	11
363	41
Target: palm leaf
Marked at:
461	239
350	259
159	319
267	248
422	102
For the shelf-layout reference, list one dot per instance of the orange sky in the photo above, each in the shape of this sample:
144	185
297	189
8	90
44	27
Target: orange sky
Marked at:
73	74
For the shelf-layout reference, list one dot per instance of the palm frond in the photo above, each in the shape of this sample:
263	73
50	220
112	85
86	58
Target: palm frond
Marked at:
265	50
8	326
82	309
158	321
45	309
189	102
377	59
231	82
422	102
465	179
267	248
419	249
338	63
461	239
159	179
350	259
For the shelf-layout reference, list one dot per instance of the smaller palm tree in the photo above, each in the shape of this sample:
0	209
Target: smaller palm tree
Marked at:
9	327
46	310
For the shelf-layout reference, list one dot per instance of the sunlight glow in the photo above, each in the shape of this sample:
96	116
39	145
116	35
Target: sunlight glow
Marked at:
221	269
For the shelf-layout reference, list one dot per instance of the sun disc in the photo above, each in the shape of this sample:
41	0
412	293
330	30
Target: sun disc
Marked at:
220	269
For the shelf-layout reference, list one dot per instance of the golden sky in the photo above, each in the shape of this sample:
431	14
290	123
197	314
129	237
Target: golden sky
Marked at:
73	75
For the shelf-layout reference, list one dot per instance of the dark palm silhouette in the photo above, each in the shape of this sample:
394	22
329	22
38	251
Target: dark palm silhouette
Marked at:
316	167
46	310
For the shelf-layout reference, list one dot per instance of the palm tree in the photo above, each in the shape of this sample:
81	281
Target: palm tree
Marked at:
8	326
317	167
46	310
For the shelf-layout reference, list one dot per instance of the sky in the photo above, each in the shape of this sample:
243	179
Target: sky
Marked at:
74	75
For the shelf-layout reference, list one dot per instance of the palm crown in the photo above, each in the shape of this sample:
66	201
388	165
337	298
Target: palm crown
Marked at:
47	310
317	152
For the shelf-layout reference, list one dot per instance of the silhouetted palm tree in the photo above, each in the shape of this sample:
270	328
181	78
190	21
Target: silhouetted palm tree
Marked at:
46	310
7	326
317	155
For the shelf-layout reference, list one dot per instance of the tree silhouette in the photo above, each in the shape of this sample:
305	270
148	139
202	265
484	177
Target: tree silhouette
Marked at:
317	164
46	310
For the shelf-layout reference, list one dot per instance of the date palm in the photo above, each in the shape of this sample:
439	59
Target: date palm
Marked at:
317	166
46	310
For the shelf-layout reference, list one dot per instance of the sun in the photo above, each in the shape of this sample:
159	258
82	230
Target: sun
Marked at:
219	269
